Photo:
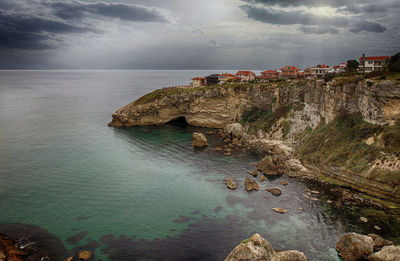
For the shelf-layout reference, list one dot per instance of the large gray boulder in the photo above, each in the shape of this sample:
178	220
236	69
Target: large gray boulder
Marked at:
199	140
388	253
252	249
236	131
353	247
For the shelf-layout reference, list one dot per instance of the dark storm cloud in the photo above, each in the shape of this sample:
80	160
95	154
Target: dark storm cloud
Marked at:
318	30
136	13
291	17
30	32
367	26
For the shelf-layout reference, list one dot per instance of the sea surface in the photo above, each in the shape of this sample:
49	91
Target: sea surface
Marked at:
69	182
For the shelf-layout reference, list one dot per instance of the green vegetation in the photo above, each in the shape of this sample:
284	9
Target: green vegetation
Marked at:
394	63
341	143
352	66
258	118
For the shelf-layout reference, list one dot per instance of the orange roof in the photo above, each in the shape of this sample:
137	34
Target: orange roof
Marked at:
270	71
199	78
323	66
376	58
244	73
291	68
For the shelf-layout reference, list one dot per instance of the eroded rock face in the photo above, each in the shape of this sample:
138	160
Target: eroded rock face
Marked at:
199	140
256	248
388	253
251	184
353	247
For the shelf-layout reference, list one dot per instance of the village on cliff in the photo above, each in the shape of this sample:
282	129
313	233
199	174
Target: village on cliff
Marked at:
366	64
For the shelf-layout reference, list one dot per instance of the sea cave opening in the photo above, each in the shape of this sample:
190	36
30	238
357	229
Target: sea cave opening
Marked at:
180	121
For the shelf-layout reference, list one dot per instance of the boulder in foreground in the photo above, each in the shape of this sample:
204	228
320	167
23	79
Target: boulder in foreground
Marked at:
256	248
388	253
353	247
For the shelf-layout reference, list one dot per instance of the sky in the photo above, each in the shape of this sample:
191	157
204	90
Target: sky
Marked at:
194	35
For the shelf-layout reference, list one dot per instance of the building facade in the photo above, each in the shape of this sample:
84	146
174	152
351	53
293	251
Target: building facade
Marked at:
372	63
199	82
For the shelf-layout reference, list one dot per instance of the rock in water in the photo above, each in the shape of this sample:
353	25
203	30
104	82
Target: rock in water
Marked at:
353	247
254	173
364	219
85	255
231	183
379	241
254	248
263	178
199	140
284	182
269	167
251	184
388	253
274	191
280	210
257	248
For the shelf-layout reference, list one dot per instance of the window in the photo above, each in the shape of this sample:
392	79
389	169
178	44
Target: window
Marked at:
370	62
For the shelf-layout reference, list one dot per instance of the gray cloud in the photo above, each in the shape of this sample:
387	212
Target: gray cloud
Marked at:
127	12
318	30
291	17
367	26
295	3
30	32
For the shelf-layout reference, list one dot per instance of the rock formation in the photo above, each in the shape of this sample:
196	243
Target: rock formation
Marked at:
256	248
231	183
388	253
251	184
199	140
309	104
274	191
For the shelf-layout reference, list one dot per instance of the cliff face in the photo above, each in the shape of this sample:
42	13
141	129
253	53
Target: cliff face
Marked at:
354	150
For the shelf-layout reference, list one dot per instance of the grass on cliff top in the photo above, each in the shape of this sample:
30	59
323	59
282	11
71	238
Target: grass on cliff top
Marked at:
341	143
160	93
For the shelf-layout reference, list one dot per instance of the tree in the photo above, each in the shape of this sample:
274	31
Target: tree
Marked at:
352	66
394	63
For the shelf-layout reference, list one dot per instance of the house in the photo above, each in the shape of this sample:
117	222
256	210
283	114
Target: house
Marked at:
318	70
290	72
372	63
199	82
267	76
339	68
246	76
225	78
212	79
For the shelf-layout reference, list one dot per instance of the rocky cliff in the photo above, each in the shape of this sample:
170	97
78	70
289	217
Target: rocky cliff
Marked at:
346	130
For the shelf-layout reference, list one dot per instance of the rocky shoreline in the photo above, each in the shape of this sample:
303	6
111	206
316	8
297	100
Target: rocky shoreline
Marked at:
351	247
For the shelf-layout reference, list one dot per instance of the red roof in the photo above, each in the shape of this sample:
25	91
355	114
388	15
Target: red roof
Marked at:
376	58
323	66
290	68
199	78
270	71
244	73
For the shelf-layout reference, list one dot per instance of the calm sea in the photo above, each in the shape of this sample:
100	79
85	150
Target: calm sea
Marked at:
69	182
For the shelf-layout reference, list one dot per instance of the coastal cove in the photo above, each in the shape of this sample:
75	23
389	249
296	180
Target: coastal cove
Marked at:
143	193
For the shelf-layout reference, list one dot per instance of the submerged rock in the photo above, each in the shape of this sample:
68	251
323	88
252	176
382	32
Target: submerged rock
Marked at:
284	182
254	173
364	219
353	247
388	253
199	140
231	183
256	248
251	184
280	210
85	255
274	191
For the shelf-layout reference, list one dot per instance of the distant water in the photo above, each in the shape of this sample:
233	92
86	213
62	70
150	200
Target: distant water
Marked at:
142	193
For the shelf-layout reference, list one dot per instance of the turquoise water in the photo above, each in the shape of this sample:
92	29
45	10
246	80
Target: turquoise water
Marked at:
142	193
